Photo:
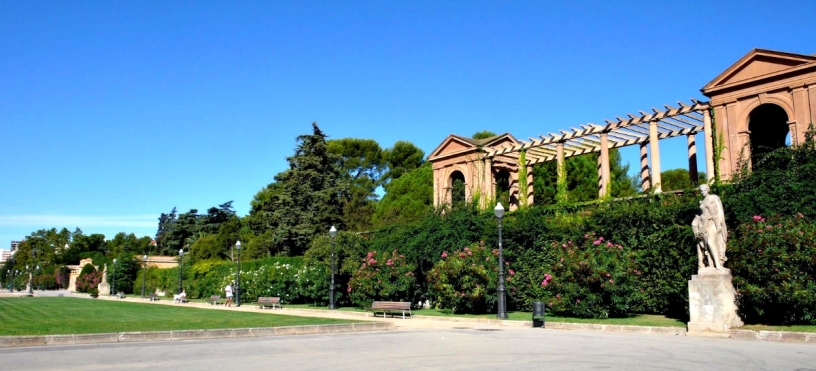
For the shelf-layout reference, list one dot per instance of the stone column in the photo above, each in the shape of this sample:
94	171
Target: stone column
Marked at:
645	180
489	183
692	157
655	157
561	173
709	145
603	162
794	138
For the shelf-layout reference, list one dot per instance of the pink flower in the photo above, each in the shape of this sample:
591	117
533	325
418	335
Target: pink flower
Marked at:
611	281
600	238
461	255
597	242
349	289
769	227
608	244
467	249
558	296
758	218
372	261
563	245
444	254
389	262
608	275
544	283
570	242
578	301
562	259
511	272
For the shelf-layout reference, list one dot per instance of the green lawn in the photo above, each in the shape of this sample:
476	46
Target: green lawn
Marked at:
54	316
794	328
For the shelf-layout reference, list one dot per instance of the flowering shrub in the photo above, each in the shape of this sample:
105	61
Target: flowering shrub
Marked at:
466	281
387	277
277	279
773	261
591	278
89	282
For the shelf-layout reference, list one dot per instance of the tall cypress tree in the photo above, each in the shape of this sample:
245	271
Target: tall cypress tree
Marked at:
306	197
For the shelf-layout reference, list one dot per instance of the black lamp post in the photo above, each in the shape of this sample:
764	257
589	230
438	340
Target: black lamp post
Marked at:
332	233
39	286
181	263
144	275
16	272
238	276
113	279
502	314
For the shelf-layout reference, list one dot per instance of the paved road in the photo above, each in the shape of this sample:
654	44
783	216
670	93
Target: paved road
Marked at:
471	347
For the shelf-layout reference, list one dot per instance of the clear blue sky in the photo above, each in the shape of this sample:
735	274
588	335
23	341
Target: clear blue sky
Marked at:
114	112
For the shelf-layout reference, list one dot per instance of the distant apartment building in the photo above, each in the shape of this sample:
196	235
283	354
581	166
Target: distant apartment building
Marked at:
5	255
15	245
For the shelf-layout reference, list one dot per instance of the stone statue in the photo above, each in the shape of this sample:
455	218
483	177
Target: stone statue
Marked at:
710	231
105	274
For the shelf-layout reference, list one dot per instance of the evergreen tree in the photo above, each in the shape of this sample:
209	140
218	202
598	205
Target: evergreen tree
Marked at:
306	198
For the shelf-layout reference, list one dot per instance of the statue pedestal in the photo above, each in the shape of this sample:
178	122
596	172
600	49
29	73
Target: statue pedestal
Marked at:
712	306
104	289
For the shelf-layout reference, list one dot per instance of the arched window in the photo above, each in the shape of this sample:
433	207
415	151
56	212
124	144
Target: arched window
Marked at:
457	181
503	187
768	124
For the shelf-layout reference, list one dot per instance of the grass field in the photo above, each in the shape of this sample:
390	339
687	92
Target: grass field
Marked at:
55	316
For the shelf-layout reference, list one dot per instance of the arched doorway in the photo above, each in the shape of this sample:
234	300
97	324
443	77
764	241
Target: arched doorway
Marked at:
768	124
503	187
457	186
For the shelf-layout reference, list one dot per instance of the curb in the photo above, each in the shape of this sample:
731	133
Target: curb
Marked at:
129	337
617	328
779	336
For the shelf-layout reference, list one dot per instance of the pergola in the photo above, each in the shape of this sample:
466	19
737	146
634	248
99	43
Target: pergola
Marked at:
643	129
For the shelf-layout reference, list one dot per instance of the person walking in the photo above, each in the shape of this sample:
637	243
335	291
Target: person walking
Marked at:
229	292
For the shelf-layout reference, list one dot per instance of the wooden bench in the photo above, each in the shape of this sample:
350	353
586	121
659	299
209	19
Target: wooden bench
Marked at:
391	307
153	297
120	295
268	302
215	300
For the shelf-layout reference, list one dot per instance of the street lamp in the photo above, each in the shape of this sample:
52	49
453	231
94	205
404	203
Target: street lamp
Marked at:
238	276
181	262
332	233
113	278
144	275
39	285
16	273
502	314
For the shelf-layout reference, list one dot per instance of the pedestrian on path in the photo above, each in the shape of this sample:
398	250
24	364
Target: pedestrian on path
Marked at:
228	290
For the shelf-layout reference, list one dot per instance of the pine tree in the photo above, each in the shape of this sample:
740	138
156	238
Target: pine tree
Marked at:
304	200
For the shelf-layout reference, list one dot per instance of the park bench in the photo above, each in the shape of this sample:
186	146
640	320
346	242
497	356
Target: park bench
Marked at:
153	297
391	307
215	300
120	295
268	302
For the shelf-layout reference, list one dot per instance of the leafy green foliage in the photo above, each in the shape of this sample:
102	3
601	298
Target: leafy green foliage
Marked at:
466	280
484	134
408	200
592	278
315	282
362	162
382	276
581	179
307	198
679	179
781	183
401	158
774	267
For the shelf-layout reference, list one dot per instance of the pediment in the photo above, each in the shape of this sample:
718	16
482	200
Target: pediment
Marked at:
451	144
756	64
502	141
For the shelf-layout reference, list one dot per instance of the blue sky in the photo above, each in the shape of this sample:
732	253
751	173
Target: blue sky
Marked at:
114	112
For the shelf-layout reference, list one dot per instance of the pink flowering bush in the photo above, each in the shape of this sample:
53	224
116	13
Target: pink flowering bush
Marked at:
89	282
591	278
382	276
465	281
773	261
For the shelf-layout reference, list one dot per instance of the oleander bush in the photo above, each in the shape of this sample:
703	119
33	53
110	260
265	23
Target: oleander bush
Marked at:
466	280
382	276
773	261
